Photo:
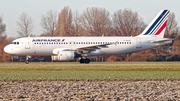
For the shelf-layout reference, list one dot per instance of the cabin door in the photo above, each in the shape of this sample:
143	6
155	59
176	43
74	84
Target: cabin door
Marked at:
138	44
27	44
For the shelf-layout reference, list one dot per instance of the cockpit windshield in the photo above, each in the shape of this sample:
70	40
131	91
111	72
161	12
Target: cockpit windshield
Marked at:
15	43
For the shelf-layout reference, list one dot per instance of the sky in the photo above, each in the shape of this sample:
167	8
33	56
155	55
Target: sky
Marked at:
11	9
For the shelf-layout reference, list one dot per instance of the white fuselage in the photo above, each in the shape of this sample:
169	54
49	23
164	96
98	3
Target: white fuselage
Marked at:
46	45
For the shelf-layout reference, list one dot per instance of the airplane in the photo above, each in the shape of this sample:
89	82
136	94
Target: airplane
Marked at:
69	48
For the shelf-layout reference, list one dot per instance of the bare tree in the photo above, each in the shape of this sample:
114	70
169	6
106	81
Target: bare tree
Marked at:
2	29
48	22
64	24
126	22
25	25
96	21
77	30
172	25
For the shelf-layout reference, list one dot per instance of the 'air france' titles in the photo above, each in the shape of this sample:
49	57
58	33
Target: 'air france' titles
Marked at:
46	40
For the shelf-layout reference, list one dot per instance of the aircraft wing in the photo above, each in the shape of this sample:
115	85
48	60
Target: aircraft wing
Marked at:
87	49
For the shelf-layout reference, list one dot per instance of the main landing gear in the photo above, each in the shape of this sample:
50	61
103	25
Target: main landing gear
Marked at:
86	61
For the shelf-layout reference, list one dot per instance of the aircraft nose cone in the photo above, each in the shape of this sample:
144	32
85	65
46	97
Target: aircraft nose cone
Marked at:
7	49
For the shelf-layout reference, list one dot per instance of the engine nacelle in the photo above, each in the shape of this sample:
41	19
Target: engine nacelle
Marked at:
65	56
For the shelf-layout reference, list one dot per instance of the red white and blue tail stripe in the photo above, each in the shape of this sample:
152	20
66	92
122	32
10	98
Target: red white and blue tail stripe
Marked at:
157	26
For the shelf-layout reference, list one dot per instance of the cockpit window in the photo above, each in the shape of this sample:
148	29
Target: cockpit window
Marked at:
15	43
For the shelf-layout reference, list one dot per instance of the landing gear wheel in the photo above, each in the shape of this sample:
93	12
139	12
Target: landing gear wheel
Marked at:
27	59
87	61
27	62
81	60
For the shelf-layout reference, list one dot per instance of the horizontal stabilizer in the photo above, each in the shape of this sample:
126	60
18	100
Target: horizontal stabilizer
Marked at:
161	40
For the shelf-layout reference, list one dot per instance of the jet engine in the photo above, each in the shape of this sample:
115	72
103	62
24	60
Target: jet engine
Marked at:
65	56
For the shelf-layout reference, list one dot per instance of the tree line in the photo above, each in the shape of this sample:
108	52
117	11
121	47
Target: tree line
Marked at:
93	21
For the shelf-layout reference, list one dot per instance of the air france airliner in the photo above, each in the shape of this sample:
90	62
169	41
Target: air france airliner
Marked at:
68	48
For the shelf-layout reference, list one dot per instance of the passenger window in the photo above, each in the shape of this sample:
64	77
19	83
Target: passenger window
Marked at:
124	42
14	42
18	43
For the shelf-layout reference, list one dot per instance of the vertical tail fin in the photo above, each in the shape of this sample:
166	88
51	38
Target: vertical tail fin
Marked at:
157	26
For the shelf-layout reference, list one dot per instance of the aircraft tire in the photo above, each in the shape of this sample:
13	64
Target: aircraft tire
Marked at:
27	62
87	61
82	60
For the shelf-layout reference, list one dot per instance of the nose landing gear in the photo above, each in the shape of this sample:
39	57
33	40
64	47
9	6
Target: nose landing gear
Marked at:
27	59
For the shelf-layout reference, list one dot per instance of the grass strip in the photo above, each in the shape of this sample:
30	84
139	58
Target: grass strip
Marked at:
88	75
162	66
